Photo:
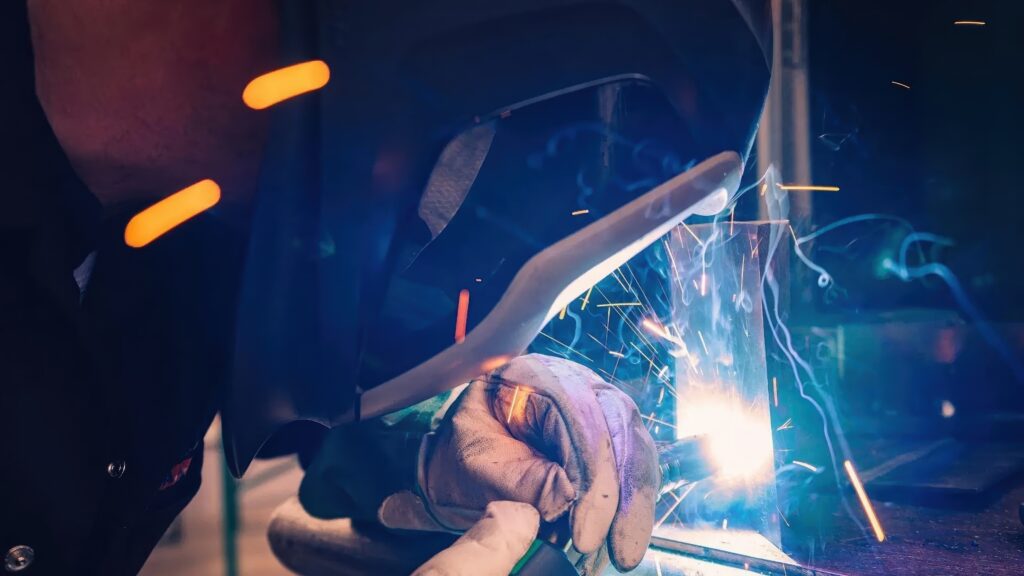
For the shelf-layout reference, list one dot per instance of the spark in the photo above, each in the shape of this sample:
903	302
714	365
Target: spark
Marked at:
512	406
620	281
725	524
658	330
567	347
662	422
863	497
657	565
781	515
479	280
703	283
619	305
462	315
699	241
900	84
809	187
279	85
810	467
775	390
160	218
969	23
948	409
617	354
646	357
561	314
580	212
702	342
785	425
679	499
586	298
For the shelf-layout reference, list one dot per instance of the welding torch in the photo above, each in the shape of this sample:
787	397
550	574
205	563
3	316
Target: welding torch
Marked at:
684	461
681	462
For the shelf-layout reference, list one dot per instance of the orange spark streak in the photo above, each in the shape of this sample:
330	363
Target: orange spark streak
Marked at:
775	390
512	406
580	212
808	187
462	315
969	23
863	497
495	363
657	330
586	298
278	85
160	218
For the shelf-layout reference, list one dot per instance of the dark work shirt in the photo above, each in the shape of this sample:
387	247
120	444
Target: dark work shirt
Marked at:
105	395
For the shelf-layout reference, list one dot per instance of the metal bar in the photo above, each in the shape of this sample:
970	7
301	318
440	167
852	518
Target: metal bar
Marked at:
750	563
230	519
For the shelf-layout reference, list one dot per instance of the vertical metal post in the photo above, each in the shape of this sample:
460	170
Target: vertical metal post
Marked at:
784	138
229	518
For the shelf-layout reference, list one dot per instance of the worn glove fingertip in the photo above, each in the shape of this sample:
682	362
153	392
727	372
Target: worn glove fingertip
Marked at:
627	553
592	519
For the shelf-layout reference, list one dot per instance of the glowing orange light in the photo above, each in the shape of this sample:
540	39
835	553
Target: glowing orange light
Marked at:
864	502
495	363
586	299
809	187
580	212
276	86
969	23
158	219
660	331
462	315
512	406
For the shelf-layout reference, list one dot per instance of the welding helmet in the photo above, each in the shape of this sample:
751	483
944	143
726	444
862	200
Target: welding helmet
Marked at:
470	168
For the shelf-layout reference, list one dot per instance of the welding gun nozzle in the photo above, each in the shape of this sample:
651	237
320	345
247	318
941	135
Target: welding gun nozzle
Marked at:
684	461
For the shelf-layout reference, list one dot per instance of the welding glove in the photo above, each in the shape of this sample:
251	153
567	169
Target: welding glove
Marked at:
550	433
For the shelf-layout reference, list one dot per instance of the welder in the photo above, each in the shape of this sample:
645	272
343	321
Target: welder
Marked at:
461	153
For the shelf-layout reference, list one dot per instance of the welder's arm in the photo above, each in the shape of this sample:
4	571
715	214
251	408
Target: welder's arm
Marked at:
550	433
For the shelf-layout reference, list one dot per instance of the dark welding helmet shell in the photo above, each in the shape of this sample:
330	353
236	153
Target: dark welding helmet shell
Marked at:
450	148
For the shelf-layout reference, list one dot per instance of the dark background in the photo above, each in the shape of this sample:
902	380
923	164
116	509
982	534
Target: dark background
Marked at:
944	155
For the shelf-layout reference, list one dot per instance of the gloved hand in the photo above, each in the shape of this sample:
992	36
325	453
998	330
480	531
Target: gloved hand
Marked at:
550	433
491	547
